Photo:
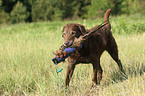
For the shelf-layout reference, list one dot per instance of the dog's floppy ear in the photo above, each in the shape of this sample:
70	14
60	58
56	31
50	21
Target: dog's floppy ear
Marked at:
63	29
82	29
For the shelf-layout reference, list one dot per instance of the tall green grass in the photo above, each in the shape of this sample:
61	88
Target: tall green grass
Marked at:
26	67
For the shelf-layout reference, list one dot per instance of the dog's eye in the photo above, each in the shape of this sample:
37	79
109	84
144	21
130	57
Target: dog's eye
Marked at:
73	32
63	34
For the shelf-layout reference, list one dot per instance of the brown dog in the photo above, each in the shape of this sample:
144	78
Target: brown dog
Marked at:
92	49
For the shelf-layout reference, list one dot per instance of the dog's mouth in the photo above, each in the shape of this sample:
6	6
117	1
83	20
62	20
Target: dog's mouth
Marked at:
68	43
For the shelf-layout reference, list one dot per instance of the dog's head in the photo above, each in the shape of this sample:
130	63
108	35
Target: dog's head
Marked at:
72	31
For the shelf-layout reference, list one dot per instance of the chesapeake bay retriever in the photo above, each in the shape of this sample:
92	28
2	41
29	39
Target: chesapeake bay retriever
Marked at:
92	48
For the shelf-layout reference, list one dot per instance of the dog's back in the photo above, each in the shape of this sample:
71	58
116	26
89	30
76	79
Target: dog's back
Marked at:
95	44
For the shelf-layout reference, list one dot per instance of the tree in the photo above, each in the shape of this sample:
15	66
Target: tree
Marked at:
8	5
0	3
97	8
116	6
3	15
43	10
28	4
19	13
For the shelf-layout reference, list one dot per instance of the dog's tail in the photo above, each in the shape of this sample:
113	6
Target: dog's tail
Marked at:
106	17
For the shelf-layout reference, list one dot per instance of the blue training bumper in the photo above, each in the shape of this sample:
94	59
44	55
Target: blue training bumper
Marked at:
69	50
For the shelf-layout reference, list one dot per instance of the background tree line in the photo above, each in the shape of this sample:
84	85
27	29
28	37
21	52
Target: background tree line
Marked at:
16	11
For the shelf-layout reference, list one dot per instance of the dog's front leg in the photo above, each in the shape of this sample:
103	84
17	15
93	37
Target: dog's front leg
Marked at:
69	73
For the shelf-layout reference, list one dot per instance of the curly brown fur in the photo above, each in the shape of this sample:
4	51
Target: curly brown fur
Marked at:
92	49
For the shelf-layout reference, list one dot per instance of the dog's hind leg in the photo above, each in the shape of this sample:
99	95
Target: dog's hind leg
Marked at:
69	73
113	51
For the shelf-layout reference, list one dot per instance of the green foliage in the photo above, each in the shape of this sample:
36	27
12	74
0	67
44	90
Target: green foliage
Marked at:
19	13
53	10
116	6
125	25
43	10
97	8
8	5
0	3
3	15
132	6
142	7
57	14
75	9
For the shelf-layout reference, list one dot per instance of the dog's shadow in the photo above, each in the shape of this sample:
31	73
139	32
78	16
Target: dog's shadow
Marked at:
117	76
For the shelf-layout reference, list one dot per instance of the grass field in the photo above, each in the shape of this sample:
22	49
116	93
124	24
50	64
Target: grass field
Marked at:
26	67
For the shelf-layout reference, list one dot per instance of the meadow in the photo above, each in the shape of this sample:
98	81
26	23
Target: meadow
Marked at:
26	68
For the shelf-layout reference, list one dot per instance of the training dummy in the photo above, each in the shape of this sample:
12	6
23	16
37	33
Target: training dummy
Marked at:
66	50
